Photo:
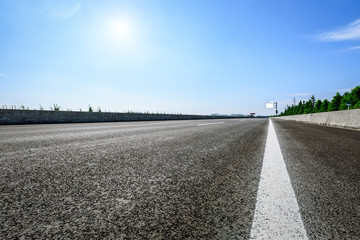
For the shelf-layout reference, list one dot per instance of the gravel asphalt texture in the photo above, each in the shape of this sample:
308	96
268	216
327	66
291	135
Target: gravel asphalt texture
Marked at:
134	180
324	166
170	179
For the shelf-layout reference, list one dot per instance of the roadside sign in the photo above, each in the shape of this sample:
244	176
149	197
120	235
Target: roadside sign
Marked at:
348	104
269	105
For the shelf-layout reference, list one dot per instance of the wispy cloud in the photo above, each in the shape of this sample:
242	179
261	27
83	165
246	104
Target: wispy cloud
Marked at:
3	75
344	90
357	48
299	94
349	32
66	12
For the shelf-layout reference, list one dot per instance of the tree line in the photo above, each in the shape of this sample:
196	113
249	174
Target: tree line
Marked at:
339	102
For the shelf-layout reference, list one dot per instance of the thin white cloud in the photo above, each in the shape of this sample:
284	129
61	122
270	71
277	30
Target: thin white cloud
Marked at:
344	90
299	94
349	32
349	49
354	48
3	75
66	12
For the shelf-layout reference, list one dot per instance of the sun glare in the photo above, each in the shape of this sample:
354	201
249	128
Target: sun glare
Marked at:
118	35
120	30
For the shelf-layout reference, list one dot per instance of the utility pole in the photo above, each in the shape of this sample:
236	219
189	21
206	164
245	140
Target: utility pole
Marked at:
294	102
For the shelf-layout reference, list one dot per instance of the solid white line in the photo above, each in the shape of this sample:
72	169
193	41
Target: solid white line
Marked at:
277	214
206	124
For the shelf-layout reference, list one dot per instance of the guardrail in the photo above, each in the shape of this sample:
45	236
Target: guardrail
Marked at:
9	116
344	118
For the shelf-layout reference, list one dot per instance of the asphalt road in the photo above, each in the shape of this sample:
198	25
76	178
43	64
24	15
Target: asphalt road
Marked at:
136	180
324	166
170	179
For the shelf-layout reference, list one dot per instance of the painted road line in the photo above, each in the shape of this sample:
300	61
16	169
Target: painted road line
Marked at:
206	124
277	214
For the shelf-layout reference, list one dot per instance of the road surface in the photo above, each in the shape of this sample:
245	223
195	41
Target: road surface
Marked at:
171	179
324	167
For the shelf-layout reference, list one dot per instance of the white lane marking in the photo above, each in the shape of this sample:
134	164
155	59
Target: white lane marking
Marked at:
277	214
206	124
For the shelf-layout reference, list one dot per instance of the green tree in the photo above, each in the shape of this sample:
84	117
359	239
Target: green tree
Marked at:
335	102
324	106
317	106
356	105
308	107
292	110
312	101
355	97
301	107
344	100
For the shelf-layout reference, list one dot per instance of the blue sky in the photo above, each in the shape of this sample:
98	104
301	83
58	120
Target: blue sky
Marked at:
177	56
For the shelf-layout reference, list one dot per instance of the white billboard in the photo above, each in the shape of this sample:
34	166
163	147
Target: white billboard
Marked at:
270	105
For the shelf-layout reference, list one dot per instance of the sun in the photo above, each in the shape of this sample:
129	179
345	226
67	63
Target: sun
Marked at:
118	34
120	30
